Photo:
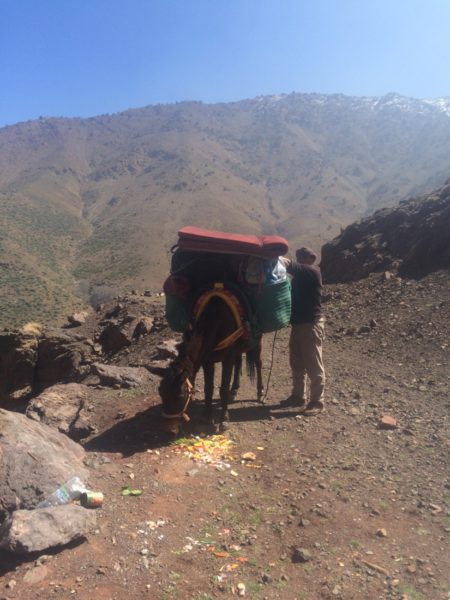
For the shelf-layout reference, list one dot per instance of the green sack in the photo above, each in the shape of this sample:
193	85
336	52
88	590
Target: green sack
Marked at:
272	304
177	313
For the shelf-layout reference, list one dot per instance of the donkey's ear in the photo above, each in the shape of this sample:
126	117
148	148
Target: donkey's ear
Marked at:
157	370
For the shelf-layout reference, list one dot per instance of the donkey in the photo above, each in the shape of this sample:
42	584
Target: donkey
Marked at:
215	336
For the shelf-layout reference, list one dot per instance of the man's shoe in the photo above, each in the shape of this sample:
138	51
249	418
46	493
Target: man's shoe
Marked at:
313	409
295	401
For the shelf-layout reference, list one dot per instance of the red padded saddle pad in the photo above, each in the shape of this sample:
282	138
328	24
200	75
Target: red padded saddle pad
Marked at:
206	240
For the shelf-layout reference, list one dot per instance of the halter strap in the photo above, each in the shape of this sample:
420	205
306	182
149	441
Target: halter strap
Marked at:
183	413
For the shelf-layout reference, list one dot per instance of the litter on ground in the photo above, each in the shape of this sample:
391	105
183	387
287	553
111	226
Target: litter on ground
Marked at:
212	450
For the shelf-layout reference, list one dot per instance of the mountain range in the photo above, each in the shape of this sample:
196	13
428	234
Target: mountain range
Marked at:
91	207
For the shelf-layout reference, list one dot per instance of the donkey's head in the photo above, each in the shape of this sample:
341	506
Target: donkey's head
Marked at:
176	392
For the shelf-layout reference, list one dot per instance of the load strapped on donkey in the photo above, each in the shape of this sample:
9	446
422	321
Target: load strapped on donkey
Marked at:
223	292
246	265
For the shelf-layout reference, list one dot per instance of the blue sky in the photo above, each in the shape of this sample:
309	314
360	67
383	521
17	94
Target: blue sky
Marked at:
89	57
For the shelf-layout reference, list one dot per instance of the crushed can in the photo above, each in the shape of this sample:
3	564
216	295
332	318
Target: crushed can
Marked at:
91	499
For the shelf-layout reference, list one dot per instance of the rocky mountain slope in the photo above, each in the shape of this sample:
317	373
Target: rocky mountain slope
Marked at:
412	239
89	207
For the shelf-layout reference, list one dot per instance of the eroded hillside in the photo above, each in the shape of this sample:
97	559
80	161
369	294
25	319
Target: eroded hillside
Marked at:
95	204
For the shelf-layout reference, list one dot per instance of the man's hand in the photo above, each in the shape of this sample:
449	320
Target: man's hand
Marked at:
286	261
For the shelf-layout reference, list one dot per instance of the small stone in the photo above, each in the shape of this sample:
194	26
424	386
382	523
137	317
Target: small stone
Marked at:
35	575
408	431
435	509
192	473
382	533
241	589
304	523
387	422
301	555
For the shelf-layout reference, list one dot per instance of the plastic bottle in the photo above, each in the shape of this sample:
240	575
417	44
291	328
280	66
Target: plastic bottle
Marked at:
71	490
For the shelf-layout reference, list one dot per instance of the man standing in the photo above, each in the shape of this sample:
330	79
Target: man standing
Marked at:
307	333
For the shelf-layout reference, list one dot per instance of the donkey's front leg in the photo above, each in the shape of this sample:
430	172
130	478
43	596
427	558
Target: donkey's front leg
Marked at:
208	371
225	393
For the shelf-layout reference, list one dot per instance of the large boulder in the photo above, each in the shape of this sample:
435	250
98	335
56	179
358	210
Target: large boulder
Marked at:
115	337
32	359
35	460
18	356
120	328
411	239
29	531
64	407
125	377
62	358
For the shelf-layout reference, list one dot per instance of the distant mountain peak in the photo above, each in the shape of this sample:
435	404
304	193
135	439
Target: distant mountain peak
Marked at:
443	104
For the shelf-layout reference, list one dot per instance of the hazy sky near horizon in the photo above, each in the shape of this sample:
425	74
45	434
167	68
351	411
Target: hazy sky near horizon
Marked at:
81	58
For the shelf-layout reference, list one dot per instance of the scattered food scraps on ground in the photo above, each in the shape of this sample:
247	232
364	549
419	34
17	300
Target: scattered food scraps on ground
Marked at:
216	451
248	456
127	491
152	525
212	450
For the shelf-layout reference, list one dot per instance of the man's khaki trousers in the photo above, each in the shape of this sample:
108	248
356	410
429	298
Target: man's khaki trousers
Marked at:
305	355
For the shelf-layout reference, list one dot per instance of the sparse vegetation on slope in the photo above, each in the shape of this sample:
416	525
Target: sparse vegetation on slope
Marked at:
101	199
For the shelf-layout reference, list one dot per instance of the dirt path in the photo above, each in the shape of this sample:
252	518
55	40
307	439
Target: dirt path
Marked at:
330	507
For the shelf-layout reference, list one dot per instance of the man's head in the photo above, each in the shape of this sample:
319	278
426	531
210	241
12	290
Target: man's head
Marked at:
305	256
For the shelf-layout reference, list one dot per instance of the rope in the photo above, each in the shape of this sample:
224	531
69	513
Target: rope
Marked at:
270	369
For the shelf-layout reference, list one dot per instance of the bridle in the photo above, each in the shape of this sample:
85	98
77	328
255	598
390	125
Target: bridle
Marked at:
190	396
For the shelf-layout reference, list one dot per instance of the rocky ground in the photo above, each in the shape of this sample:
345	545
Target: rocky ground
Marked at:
350	504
